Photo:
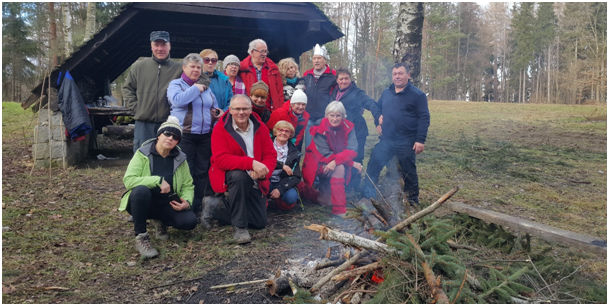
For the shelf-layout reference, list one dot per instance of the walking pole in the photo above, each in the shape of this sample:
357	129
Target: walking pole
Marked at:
374	185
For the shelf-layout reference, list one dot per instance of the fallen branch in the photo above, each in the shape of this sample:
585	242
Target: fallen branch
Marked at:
329	263
355	272
460	287
436	288
53	288
338	269
239	284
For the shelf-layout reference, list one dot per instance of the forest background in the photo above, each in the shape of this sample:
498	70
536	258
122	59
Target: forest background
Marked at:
500	52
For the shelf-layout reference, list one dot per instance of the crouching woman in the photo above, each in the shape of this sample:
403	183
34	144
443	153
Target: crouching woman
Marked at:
159	187
286	175
330	157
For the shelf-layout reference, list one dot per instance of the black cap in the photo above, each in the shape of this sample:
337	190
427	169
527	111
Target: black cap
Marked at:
159	35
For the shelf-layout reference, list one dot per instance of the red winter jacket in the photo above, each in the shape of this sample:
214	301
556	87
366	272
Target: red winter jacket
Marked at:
285	113
314	159
270	76
228	152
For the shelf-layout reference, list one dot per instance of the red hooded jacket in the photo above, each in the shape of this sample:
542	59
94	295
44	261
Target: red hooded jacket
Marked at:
313	158
270	76
228	152
285	113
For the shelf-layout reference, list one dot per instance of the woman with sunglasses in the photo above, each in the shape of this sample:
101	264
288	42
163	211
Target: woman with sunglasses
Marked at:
159	187
286	175
220	85
196	108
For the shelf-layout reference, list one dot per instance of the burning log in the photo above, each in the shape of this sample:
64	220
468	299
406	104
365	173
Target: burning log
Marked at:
357	271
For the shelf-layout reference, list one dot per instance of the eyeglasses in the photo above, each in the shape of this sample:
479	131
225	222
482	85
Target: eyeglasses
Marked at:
285	131
259	97
263	52
207	60
241	109
169	134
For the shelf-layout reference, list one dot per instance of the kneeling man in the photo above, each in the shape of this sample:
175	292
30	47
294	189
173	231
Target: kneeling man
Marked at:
241	155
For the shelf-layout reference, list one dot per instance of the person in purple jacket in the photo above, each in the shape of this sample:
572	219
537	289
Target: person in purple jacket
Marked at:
403	128
196	107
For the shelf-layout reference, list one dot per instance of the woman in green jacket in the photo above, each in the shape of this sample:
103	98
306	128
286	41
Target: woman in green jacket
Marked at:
159	187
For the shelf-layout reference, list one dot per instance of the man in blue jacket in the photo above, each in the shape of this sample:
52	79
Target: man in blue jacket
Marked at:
403	128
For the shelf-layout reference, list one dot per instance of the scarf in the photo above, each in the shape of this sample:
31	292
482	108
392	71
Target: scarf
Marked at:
292	82
342	92
188	80
258	109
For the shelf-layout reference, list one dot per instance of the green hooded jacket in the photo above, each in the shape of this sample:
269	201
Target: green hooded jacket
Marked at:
139	169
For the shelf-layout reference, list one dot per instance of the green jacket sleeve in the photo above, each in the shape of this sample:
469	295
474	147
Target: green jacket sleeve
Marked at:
130	89
186	189
138	173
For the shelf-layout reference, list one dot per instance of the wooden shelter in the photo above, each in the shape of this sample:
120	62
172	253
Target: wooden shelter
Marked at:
289	29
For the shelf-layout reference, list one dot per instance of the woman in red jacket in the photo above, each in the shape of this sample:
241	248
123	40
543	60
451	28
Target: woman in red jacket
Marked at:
330	156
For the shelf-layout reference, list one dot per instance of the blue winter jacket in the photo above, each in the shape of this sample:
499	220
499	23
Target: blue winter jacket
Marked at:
222	88
191	107
405	114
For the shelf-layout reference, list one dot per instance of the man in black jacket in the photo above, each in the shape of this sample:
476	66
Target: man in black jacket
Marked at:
403	128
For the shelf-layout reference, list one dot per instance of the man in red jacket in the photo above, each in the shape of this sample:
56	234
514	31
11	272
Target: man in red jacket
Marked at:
258	67
242	154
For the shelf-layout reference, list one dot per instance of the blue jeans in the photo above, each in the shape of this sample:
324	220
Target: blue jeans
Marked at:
290	196
143	131
384	152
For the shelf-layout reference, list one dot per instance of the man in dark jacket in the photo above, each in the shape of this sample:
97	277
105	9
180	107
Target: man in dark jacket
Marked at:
145	91
318	83
242	155
403	129
355	101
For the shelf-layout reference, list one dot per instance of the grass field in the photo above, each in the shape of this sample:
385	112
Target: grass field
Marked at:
544	162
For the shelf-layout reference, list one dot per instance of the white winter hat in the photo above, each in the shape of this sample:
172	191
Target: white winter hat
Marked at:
299	97
172	124
317	50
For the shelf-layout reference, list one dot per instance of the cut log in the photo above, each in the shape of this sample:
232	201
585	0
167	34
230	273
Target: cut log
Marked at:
327	233
545	232
118	131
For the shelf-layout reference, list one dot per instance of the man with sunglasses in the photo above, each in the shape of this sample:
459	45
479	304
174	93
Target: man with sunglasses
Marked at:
145	91
259	67
242	155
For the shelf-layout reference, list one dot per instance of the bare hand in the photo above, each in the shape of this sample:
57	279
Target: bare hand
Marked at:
418	147
260	169
381	120
379	129
179	206
201	87
329	168
287	170
357	166
275	194
165	188
220	113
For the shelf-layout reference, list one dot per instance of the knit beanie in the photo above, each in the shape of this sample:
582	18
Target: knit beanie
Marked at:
172	125
230	59
299	96
259	85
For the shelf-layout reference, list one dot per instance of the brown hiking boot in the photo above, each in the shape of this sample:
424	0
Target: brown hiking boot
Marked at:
142	244
160	230
242	236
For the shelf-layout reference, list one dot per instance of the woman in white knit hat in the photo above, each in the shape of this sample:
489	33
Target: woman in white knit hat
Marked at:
231	70
293	112
159	187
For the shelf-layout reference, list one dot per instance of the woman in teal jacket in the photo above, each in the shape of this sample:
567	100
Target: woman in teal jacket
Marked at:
159	187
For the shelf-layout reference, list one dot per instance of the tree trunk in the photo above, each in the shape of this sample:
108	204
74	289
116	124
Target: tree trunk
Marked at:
66	29
53	61
408	37
90	26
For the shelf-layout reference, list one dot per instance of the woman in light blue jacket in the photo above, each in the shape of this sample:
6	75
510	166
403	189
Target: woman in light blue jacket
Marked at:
220	85
195	105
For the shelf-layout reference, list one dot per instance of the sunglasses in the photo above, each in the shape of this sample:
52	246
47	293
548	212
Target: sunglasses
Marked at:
169	134
207	60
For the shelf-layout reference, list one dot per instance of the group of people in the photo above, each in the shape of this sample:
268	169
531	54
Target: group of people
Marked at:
226	145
